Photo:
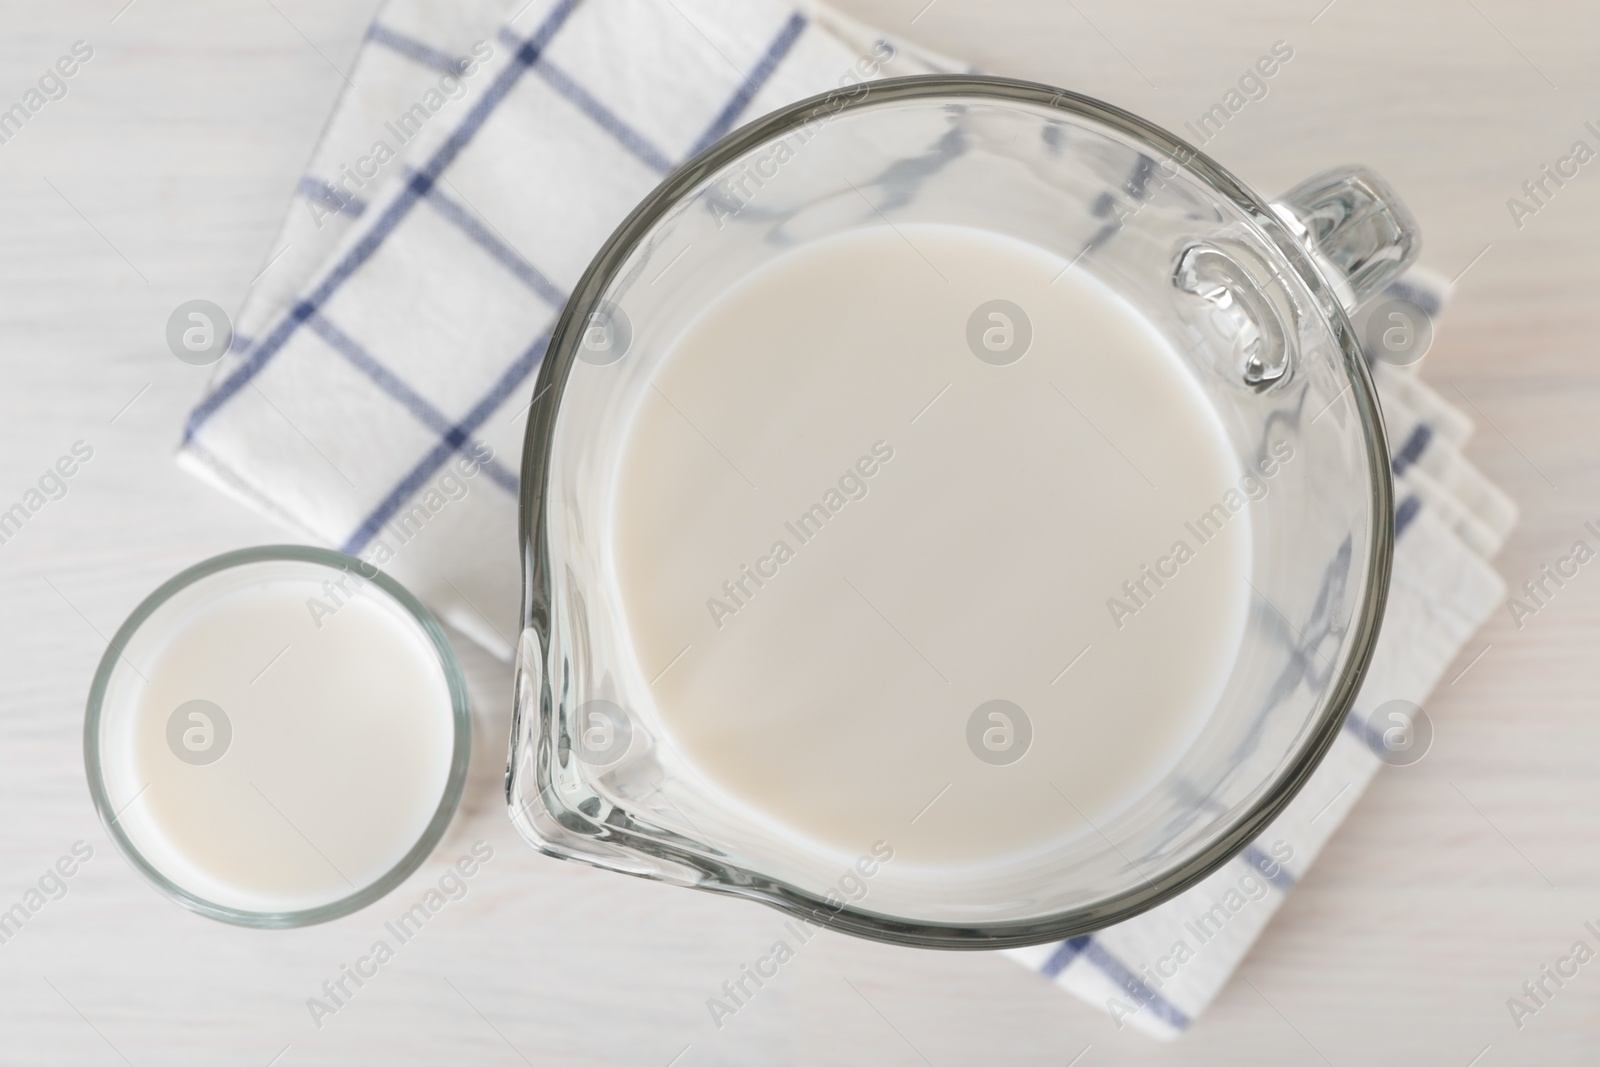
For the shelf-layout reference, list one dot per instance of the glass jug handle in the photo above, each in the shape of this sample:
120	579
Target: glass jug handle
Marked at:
1359	232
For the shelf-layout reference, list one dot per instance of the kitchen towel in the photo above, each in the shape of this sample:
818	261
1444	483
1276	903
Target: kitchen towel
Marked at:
381	370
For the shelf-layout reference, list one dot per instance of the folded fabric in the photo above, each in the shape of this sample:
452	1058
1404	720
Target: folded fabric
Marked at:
375	395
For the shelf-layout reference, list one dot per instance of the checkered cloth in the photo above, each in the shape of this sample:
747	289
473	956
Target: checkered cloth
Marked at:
375	395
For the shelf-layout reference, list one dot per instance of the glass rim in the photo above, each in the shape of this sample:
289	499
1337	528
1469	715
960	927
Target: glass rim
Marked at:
1276	793
455	782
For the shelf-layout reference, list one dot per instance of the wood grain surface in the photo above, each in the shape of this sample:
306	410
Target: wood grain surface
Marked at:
162	176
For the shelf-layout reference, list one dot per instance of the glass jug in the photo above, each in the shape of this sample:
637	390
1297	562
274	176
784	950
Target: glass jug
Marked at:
1256	295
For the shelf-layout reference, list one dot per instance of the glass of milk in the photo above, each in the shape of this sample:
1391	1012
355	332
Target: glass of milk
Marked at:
278	736
956	512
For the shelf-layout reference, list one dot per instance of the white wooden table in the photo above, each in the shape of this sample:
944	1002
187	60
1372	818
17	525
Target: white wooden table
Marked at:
162	175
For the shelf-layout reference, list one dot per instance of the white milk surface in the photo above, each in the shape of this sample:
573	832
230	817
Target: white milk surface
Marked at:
342	738
976	522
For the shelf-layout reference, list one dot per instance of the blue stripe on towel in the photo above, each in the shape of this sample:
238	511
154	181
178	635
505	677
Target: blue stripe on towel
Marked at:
396	387
1426	300
527	55
1064	954
602	116
1367	736
608	120
1134	986
415	50
1114	969
336	199
491	243
1278	878
1412	450
513	378
1405	513
753	84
